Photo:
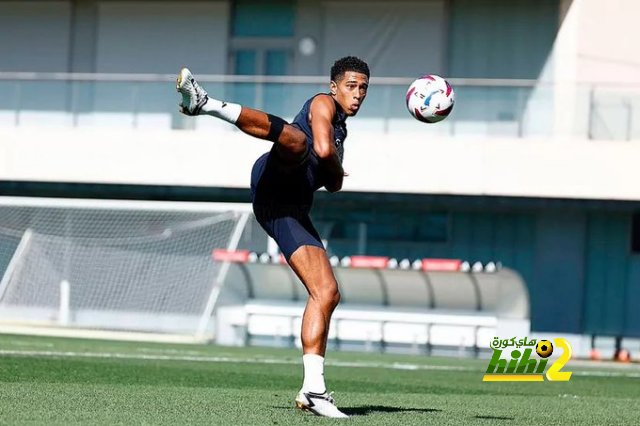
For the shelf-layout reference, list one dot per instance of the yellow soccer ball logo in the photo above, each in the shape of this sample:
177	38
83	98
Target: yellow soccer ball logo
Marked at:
544	348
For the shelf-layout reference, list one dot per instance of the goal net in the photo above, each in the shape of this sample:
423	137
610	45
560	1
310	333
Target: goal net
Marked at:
126	266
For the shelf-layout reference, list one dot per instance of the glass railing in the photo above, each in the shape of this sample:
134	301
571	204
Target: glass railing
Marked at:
484	108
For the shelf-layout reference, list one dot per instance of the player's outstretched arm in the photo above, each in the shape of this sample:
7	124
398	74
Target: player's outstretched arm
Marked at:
322	111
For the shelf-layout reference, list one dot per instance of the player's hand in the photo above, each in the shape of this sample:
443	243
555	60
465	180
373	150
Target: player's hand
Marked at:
335	184
332	188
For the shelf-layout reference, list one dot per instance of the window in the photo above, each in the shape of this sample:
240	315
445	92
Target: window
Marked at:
259	18
262	43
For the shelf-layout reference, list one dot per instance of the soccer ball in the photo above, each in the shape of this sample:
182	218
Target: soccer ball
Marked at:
544	348
430	99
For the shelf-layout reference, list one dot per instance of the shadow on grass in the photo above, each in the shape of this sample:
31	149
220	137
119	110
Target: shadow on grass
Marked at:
366	410
494	418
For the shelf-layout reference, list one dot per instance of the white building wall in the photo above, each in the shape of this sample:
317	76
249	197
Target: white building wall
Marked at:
607	41
375	162
593	45
594	59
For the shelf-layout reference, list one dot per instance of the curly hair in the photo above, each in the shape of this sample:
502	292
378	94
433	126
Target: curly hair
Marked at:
348	63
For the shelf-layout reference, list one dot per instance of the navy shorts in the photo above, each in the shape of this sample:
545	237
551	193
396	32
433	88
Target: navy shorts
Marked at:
282	200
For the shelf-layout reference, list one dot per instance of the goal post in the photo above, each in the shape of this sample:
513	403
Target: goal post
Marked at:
138	270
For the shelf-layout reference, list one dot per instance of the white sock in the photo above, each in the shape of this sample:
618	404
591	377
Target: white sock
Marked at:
313	374
224	110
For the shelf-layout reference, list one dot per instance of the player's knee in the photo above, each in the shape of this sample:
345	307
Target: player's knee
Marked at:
335	299
294	142
297	145
328	295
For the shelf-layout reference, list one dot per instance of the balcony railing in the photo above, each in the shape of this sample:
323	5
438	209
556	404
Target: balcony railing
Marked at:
484	107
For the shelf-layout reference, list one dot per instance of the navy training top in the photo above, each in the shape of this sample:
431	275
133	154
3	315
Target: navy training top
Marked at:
301	121
293	192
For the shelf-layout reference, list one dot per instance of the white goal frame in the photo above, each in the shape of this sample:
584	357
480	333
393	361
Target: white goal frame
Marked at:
60	328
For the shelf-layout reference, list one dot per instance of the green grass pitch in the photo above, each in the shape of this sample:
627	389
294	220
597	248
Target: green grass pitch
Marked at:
52	381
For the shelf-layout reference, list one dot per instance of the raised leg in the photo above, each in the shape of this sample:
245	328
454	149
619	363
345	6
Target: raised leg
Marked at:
291	143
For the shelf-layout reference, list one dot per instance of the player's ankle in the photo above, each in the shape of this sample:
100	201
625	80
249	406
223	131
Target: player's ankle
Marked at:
313	374
226	111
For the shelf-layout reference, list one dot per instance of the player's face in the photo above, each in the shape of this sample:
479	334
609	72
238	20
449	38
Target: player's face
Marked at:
350	91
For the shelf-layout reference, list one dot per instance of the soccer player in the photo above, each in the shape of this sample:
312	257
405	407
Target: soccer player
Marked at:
306	155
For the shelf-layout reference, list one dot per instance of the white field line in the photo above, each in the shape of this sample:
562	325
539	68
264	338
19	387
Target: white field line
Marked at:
605	374
388	366
115	355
